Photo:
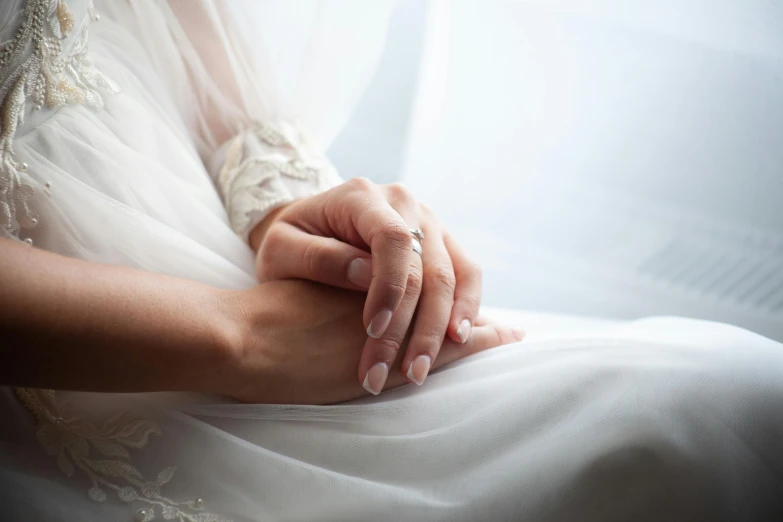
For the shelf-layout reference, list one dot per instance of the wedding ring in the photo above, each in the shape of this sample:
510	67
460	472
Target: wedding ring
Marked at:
416	240
416	245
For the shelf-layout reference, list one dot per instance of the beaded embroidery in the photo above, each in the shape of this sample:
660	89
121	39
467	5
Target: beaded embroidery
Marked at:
33	66
74	442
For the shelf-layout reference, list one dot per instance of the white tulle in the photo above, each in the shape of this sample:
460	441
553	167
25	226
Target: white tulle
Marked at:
662	419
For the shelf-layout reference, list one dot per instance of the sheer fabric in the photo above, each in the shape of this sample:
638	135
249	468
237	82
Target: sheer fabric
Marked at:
586	420
663	419
637	127
189	86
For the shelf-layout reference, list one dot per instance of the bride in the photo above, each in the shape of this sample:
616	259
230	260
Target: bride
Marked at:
149	181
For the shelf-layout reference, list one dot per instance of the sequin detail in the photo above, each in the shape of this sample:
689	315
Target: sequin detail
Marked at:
35	68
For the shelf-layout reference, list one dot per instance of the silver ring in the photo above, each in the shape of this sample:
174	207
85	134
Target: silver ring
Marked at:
416	245
416	240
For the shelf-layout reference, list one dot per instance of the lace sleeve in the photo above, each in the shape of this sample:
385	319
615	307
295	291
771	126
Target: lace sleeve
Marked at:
264	167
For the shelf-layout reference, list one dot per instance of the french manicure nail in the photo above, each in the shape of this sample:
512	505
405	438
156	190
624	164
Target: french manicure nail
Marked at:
518	332
360	272
463	330
419	369
376	378
379	323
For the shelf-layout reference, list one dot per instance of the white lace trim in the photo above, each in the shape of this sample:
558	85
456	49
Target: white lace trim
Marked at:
34	67
266	166
74	442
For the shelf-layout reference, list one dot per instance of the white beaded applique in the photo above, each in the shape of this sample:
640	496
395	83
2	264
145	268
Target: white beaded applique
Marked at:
75	443
266	166
34	67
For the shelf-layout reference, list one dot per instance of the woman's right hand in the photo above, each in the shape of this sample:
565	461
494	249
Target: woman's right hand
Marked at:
300	342
361	236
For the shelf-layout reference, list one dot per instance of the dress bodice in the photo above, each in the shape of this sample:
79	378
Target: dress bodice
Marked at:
43	65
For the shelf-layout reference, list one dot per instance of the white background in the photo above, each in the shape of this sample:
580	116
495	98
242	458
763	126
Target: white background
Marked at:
611	158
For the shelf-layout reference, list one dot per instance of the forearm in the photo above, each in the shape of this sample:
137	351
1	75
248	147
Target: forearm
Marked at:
71	324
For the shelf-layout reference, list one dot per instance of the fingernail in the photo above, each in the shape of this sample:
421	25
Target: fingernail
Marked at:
518	332
360	272
419	369
379	323
376	378
463	330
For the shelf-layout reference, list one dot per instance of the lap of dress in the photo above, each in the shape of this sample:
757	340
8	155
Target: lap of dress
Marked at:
658	419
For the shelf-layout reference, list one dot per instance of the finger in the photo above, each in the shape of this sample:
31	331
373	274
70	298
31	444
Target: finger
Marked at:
434	309
291	253
389	238
391	249
358	213
483	321
467	293
380	353
481	338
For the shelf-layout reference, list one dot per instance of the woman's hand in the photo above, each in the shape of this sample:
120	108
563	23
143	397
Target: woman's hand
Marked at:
300	342
327	237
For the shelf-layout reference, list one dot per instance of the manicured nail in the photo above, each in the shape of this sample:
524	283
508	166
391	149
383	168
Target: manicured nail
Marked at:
379	323
360	272
376	378
463	330
419	369
518	332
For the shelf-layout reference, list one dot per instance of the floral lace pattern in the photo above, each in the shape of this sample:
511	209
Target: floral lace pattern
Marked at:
34	66
266	166
101	453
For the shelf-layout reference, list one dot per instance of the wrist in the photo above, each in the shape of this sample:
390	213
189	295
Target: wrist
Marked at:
240	331
223	341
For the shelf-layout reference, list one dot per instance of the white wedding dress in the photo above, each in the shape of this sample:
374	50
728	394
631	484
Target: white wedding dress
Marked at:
113	119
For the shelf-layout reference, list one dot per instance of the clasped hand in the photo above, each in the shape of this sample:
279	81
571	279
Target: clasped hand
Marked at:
357	236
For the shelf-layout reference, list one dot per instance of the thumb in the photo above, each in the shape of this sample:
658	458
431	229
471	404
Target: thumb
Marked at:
288	252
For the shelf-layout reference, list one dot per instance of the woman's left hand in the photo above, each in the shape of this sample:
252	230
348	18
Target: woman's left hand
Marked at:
358	236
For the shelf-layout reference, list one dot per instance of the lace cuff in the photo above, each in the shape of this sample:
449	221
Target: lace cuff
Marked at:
264	167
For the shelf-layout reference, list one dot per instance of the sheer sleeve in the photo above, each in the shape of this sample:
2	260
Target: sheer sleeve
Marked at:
115	115
247	133
246	124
